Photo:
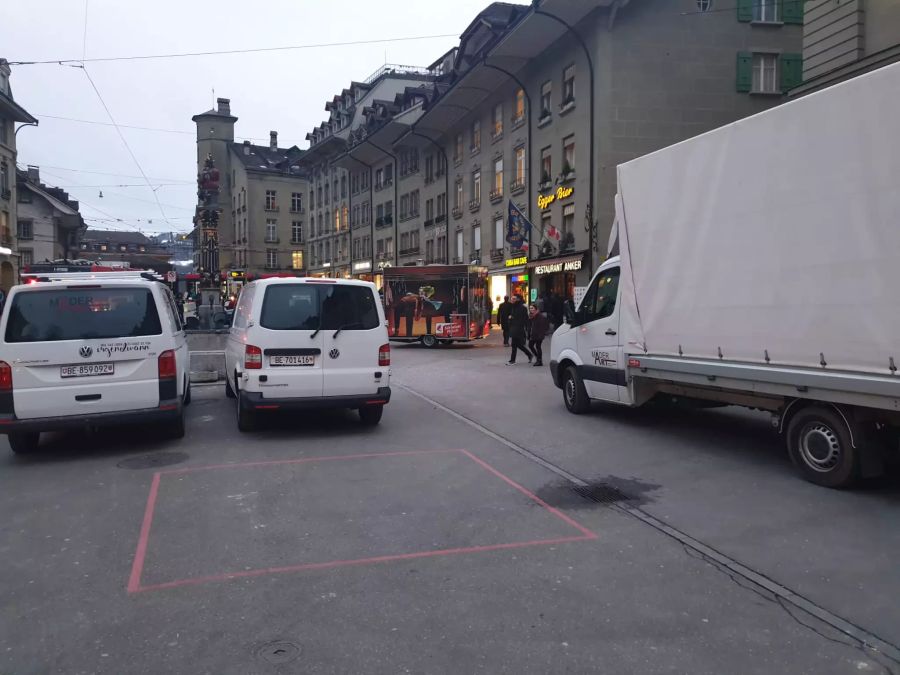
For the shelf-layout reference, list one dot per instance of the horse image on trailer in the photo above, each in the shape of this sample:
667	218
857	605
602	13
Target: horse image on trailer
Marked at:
436	304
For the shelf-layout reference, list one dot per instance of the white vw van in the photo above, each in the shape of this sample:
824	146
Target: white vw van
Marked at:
90	350
308	343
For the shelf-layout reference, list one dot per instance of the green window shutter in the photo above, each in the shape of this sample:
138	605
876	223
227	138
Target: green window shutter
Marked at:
792	11
745	10
791	71
744	71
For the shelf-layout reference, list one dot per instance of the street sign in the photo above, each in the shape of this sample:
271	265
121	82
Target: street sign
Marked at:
171	276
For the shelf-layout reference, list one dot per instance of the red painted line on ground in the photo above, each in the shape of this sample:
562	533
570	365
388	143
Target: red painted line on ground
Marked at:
360	561
303	460
528	493
137	567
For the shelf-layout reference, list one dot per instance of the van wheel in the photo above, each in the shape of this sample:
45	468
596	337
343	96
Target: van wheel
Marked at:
429	340
24	443
370	415
246	419
177	428
187	392
819	445
229	392
574	394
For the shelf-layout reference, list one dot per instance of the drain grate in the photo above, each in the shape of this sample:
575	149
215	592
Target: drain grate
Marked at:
153	460
278	652
601	493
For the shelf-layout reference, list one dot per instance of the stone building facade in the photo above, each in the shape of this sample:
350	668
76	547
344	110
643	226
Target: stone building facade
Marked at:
49	226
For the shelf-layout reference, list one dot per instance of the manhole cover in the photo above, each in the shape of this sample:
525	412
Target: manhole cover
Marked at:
153	460
278	652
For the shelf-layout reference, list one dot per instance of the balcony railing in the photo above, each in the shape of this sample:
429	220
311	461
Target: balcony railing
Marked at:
496	195
300	210
517	186
389	219
475	148
429	222
496	254
272	209
296	241
379	222
440	218
412	250
457	212
496	135
272	240
474	204
518	120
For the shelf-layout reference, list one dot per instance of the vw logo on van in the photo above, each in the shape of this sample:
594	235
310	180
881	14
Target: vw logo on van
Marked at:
86	351
334	353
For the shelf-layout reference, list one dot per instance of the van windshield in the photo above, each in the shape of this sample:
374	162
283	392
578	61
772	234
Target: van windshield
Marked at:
82	314
309	307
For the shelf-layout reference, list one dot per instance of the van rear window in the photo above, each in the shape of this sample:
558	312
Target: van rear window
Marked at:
82	314
309	307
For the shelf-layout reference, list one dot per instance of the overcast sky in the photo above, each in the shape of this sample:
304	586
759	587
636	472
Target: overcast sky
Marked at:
281	90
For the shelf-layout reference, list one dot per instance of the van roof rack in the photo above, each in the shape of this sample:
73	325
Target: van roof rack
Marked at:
147	275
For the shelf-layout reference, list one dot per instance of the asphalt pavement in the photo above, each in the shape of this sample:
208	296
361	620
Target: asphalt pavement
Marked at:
449	539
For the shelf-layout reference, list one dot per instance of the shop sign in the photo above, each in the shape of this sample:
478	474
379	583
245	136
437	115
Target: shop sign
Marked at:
568	266
362	266
516	262
562	192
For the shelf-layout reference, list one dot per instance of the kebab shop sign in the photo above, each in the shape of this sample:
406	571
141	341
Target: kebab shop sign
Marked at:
562	192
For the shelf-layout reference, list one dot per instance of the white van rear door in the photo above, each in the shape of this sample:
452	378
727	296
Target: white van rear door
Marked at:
83	349
288	335
354	330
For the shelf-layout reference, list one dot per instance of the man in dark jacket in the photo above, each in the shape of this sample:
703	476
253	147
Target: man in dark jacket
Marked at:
538	327
503	318
518	321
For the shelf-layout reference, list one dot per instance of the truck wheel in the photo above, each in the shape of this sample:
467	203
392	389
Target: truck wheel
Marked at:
574	394
229	392
429	340
818	441
370	415
246	419
176	430
187	391
24	443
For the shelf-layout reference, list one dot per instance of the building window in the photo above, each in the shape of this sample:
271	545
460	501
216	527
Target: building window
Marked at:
441	205
498	233
476	186
296	232
4	133
458	148
765	10
519	112
765	73
546	233
569	85
429	168
459	246
271	230
546	99
334	192
297	260
414	203
343	186
337	220
272	258
429	251
497	192
498	120
296	202
476	136
476	241
404	207
704	5
271	202
459	195
389	247
25	229
389	174
520	166
429	211
546	166
312	200
567	241
568	167
4	176
26	255
414	161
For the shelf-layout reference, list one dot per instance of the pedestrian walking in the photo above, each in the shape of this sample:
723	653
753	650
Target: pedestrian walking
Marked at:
538	326
518	322
503	318
556	309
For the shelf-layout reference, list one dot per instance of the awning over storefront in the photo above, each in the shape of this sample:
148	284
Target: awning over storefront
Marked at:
567	263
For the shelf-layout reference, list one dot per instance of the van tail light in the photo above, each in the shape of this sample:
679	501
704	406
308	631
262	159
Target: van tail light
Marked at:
252	357
166	364
384	355
5	377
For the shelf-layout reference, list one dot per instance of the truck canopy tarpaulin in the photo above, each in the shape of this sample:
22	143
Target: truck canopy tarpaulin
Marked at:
787	247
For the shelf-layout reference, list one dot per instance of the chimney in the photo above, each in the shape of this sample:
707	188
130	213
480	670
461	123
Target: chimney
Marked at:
246	147
34	175
224	106
273	140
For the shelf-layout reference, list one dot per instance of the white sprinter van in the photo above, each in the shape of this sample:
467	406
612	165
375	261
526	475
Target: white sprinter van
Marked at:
90	350
308	343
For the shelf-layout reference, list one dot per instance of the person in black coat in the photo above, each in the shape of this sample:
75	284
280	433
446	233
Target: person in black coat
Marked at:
539	325
518	322
503	318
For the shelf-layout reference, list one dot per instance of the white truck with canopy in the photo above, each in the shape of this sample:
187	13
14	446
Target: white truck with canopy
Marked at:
758	266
